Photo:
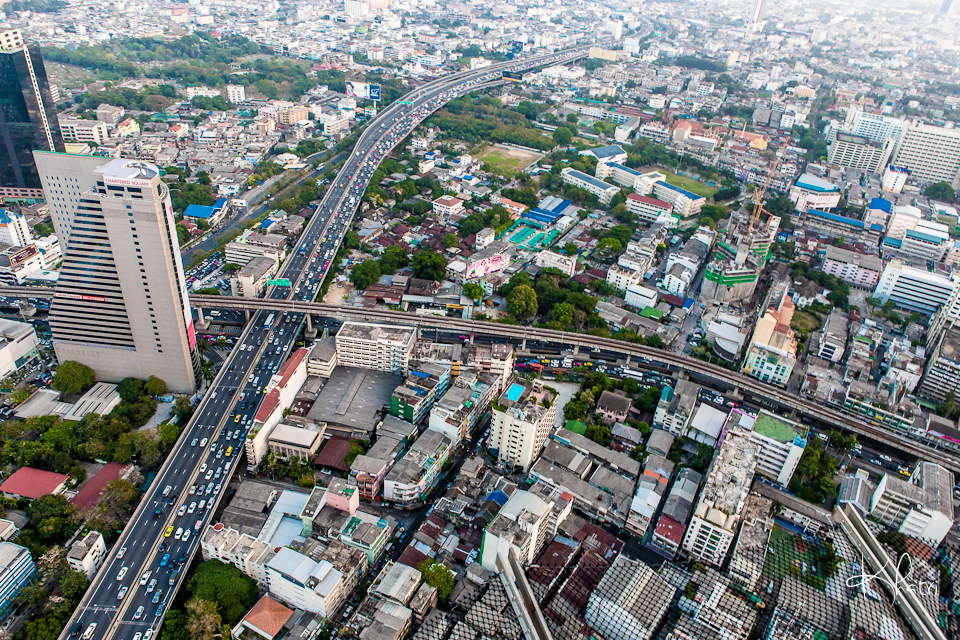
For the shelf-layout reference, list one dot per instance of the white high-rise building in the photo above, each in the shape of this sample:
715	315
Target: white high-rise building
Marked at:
14	229
236	93
915	289
875	127
64	178
522	419
930	153
121	304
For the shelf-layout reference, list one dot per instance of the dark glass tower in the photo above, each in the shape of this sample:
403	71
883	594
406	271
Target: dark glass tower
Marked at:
28	116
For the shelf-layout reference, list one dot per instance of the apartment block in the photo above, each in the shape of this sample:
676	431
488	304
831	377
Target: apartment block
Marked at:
551	260
17	569
250	244
942	375
497	359
716	517
522	420
781	443
73	128
859	152
251	280
527	523
772	352
921	507
856	269
458	411
603	190
375	346
446	206
426	383
672	524
686	204
646	208
413	477
675	406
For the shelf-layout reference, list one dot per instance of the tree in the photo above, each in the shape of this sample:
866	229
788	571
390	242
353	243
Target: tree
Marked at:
225	585
155	386
52	515
562	137
608	249
175	626
449	240
72	378
599	433
208	291
365	274
169	433
356	449
203	619
570	249
522	302
438	576
429	265
230	267
351	240
940	191
473	291
74	585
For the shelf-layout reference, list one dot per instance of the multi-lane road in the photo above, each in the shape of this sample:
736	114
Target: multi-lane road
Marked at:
161	538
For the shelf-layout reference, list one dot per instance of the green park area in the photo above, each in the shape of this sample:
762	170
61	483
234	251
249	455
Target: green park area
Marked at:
690	184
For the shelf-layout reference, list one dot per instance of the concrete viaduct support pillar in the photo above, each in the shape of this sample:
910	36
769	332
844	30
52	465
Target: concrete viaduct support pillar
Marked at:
310	332
202	323
629	358
576	349
523	347
246	315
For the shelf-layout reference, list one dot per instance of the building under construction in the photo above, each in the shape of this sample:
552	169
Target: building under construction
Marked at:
742	251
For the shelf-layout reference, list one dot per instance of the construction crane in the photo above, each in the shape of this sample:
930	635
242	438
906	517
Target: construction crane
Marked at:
758	195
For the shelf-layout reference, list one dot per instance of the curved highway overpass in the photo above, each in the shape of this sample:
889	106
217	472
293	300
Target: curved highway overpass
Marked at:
133	590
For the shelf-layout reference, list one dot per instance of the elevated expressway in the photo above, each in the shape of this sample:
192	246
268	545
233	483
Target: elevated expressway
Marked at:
122	601
768	395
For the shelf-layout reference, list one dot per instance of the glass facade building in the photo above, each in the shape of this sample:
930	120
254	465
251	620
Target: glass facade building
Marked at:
28	115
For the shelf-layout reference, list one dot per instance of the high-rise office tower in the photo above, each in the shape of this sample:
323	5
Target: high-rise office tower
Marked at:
758	7
121	304
930	153
28	116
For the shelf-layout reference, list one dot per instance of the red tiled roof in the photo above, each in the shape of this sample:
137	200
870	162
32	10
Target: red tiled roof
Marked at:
89	495
411	557
268	616
652	201
334	454
32	483
290	366
670	529
268	406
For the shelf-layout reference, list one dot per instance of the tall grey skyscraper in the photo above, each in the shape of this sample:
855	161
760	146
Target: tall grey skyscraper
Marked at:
121	303
758	7
28	116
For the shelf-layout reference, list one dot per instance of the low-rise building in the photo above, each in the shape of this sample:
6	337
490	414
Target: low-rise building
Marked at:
650	490
252	278
87	555
781	443
250	245
74	128
458	411
716	517
413	477
772	352
426	383
647	208
446	206
668	534
629	602
603	190
27	482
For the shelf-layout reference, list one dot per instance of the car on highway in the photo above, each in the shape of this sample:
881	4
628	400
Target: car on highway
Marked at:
121	553
122	573
122	592
136	616
165	559
168	531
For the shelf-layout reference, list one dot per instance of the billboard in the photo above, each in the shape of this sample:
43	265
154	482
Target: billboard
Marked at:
363	90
